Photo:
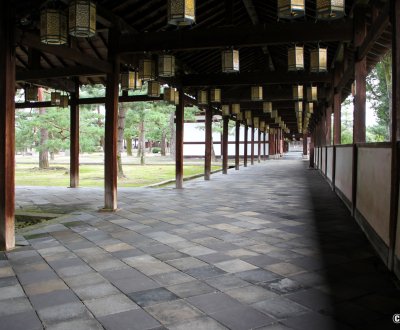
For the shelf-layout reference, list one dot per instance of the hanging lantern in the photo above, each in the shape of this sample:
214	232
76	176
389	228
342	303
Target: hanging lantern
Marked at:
236	108
215	95
230	61
166	65
330	9
82	18
256	93
240	116
225	110
169	95
249	122
296	58
130	80
176	97
298	107
31	94
202	98
318	60
64	100
53	27
274	113
298	92
262	125
267	107
247	114
181	12
312	93
153	89
291	8
55	98
310	107
147	69
256	122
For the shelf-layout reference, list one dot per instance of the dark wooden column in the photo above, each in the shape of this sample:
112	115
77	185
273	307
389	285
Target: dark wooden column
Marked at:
328	124
74	139
179	122
237	145
111	127
265	146
252	146
208	141
305	144
225	129
312	150
360	75
259	146
337	110
246	142
7	125
395	132
271	142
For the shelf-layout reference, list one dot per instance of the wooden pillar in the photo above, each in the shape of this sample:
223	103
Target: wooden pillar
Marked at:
7	125
305	146
111	127
246	142
208	141
252	146
237	145
328	124
259	146
179	122
337	109
312	151
74	139
225	145
264	146
395	132
360	75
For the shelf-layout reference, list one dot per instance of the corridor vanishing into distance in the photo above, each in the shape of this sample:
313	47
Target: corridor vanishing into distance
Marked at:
267	247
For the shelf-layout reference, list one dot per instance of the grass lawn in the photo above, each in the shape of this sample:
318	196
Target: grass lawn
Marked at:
92	175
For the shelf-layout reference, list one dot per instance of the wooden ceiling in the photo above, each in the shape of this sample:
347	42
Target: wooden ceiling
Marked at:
143	26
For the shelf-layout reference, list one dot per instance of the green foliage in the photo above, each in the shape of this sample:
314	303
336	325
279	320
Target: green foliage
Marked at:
156	150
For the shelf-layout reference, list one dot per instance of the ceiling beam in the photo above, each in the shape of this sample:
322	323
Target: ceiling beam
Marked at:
378	27
252	78
33	41
57	73
238	36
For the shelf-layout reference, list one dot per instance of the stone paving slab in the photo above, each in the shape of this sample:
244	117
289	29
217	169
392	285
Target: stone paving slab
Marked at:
267	247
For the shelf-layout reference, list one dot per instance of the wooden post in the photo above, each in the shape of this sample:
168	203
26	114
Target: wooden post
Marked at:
312	151
7	125
246	142
237	145
111	127
225	145
328	124
74	137
265	146
395	133
271	142
360	74
305	146
208	141
259	147
179	122
252	146
336	119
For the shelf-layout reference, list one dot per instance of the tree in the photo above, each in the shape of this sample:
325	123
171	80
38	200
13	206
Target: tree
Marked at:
379	94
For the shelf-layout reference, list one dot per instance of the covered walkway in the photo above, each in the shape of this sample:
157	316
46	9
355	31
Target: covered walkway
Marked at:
266	247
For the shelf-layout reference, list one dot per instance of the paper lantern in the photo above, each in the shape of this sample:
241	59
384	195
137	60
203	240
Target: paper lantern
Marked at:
82	18
147	69
55	98
130	80
312	93
267	107
31	93
298	92
230	61
291	8
202	98
166	65
64	100
153	89
215	95
235	108
296	58
330	9
53	27
256	93
181	12
225	110
169	94
318	60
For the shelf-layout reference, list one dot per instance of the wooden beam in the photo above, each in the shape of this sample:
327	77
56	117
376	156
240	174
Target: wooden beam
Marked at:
237	145
259	147
179	120
377	28
57	73
33	41
7	126
225	132
238	36
74	139
111	128
253	78
246	142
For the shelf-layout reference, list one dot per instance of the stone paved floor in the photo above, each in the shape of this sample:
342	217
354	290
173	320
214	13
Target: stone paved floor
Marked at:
267	247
